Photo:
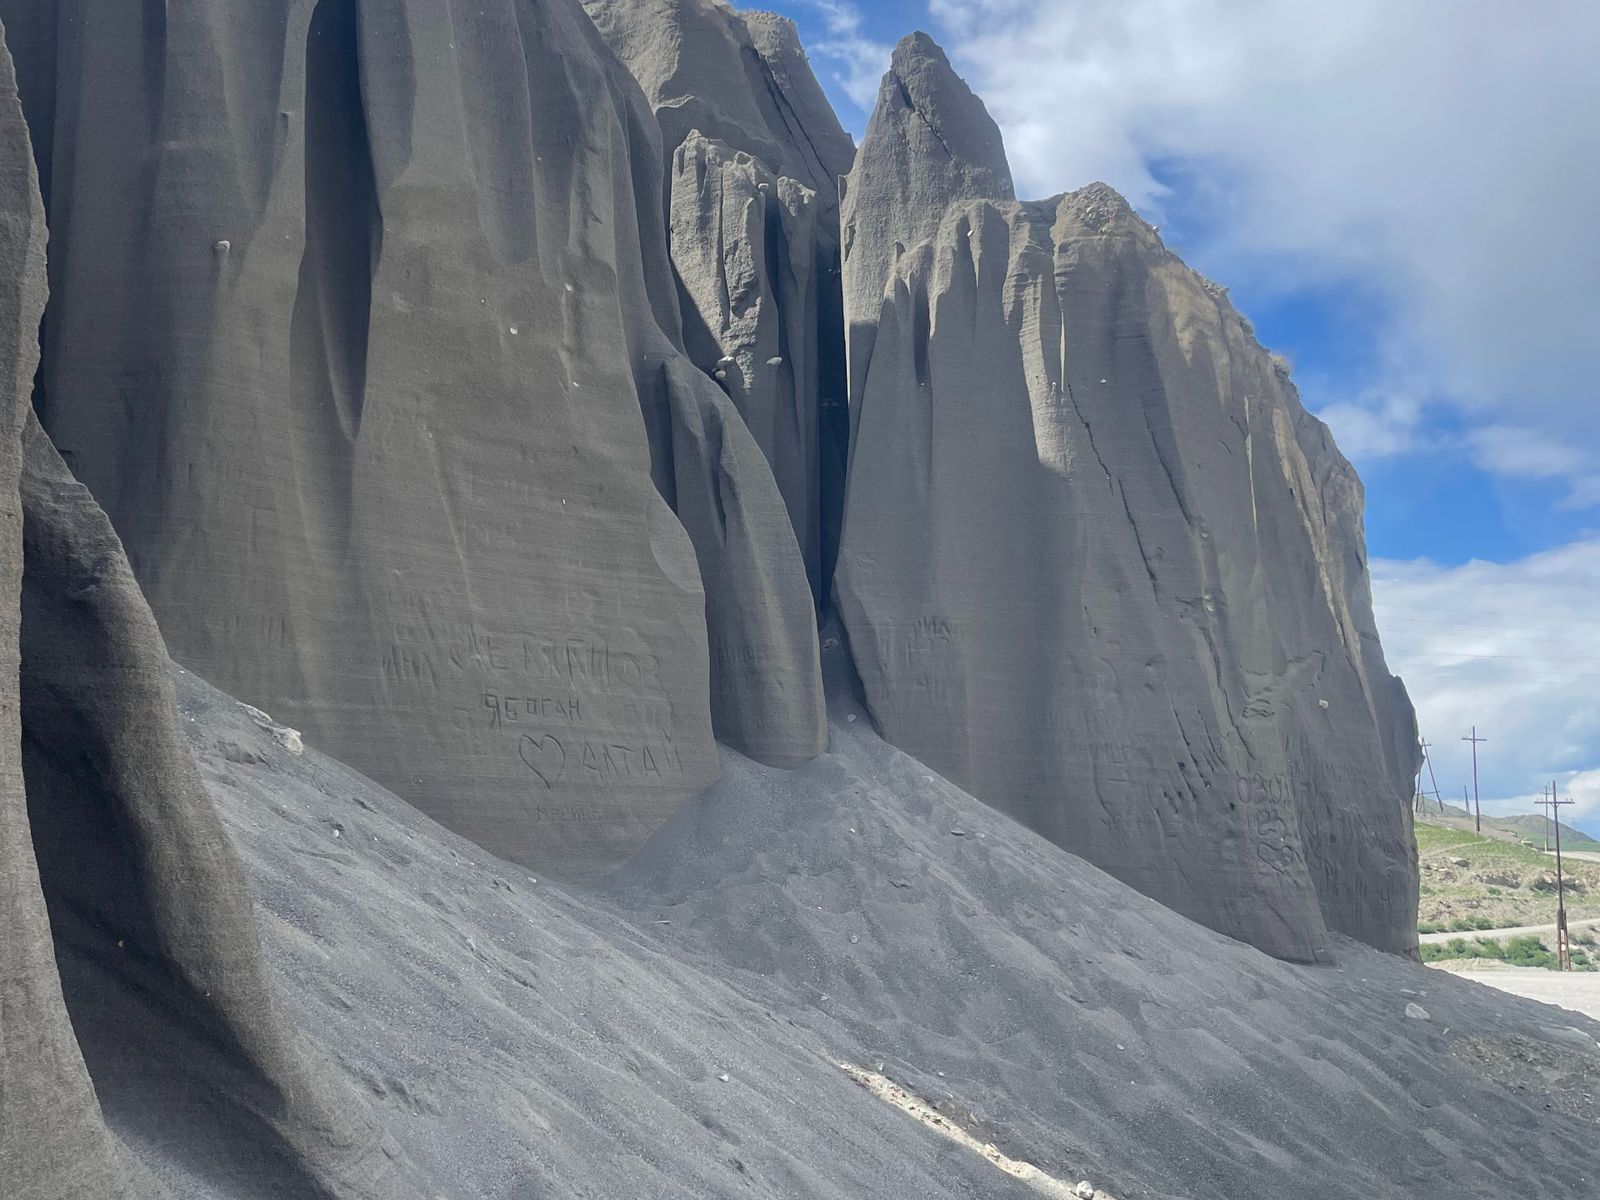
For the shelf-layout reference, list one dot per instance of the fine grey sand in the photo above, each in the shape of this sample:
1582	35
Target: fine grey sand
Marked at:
522	1038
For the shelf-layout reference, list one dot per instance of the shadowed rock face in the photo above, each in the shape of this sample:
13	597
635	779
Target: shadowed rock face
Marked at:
154	929
754	158
743	244
367	331
392	430
53	1144
133	996
1099	566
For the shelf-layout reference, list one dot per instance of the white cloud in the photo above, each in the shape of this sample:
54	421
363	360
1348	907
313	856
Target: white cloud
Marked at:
1446	157
1512	648
1525	453
860	60
1380	421
1580	787
1510	450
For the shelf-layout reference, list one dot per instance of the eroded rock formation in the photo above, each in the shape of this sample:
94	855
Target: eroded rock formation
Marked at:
446	417
461	428
739	77
133	995
1099	566
930	143
392	430
755	155
743	243
52	1140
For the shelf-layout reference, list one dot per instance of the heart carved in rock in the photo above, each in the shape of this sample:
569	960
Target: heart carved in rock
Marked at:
546	757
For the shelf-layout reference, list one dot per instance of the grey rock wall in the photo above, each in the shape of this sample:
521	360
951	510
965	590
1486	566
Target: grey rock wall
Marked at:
754	159
393	430
929	143
1099	566
53	1143
739	77
133	994
445	434
743	244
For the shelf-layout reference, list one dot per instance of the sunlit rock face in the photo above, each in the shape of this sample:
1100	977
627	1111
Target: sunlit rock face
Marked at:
1099	566
754	159
364	333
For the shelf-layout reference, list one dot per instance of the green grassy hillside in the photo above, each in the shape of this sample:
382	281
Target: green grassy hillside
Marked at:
1471	882
1527	827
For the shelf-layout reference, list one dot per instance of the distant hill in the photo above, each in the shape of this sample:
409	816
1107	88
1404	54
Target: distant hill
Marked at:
1525	827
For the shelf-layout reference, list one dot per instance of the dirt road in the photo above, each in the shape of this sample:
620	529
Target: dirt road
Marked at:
1585	855
1578	991
1501	935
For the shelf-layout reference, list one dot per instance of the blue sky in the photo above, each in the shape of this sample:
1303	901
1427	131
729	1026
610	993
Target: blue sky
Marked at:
1401	196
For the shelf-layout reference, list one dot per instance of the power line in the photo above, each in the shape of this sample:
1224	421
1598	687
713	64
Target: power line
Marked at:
1500	630
1497	675
1476	618
1496	657
1569	666
1490	612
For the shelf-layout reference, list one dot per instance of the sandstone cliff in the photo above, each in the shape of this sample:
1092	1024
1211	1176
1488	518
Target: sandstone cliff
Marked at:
451	420
393	429
1099	565
465	430
755	155
134	989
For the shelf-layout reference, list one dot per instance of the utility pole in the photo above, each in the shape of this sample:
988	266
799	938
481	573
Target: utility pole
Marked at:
1477	808
1416	799
1427	760
1544	811
1563	950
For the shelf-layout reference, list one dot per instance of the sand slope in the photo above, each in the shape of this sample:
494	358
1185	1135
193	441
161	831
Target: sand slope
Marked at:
523	1040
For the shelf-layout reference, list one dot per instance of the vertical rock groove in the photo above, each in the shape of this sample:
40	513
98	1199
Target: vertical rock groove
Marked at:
343	227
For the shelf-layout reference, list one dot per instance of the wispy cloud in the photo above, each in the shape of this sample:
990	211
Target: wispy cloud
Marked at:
1513	648
858	60
1380	421
1530	453
1446	157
